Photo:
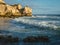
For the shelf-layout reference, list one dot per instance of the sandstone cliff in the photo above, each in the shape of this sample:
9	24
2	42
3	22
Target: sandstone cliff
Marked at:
15	10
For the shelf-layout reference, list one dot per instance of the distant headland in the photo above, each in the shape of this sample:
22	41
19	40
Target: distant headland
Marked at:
15	10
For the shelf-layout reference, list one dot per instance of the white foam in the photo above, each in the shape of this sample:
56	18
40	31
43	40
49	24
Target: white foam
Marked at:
53	17
50	24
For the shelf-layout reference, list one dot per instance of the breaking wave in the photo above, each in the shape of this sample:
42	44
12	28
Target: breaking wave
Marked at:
31	22
34	26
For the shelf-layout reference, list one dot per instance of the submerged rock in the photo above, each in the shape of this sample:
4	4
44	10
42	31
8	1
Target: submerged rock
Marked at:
14	10
36	39
9	39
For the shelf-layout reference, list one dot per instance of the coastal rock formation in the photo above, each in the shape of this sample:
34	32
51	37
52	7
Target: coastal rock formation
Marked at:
9	39
2	1
27	11
15	10
36	39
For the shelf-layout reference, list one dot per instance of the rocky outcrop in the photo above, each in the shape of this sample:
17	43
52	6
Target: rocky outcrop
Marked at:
27	11
9	39
15	10
36	39
2	1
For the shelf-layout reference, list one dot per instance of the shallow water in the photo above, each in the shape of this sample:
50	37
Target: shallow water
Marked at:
37	25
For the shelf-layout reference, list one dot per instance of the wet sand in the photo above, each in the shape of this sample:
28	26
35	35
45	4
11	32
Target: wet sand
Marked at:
4	23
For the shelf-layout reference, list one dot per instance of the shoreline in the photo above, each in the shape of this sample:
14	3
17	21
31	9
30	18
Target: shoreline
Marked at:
4	23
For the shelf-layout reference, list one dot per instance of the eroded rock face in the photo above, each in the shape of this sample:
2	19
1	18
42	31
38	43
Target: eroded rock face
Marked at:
2	1
2	9
14	10
27	11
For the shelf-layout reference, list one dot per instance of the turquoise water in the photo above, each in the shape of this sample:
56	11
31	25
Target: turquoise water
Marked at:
37	25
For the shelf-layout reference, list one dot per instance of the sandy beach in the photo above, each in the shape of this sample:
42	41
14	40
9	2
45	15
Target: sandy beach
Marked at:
4	23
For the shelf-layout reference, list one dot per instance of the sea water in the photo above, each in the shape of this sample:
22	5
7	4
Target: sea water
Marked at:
37	25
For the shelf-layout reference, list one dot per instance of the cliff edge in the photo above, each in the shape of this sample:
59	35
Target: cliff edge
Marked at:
15	10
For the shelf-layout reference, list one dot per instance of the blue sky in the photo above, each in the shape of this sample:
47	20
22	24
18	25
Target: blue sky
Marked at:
39	6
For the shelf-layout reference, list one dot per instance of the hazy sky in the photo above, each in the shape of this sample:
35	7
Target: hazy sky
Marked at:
40	6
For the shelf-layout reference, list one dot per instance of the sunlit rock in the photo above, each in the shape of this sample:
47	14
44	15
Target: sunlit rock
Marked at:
27	11
1	1
14	10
